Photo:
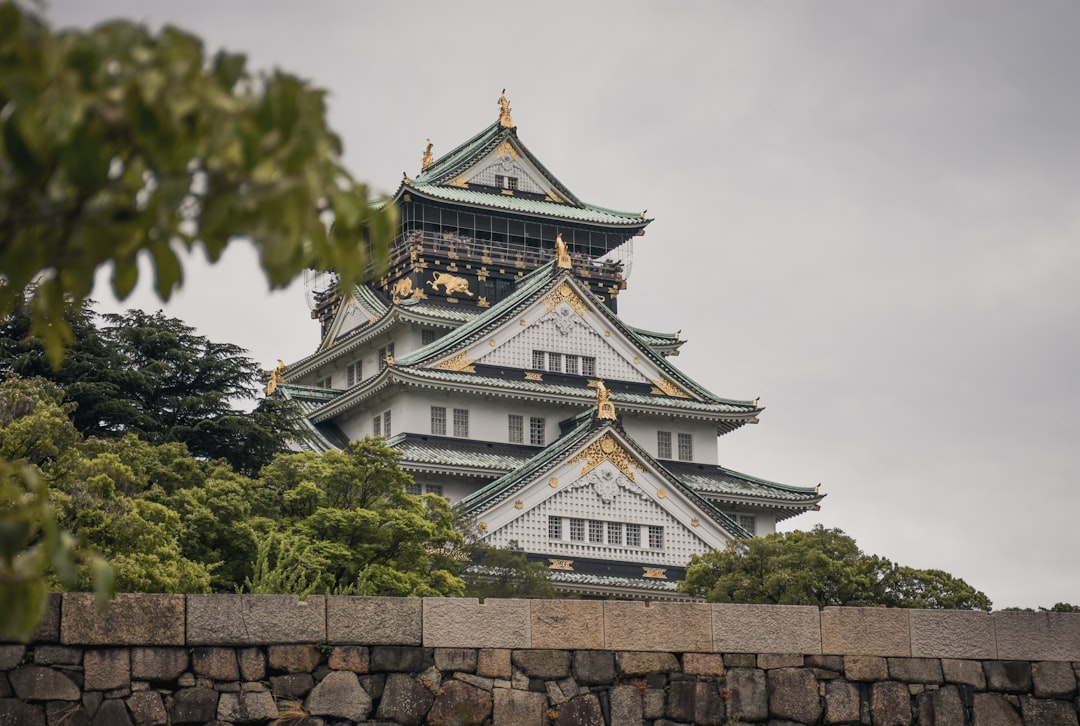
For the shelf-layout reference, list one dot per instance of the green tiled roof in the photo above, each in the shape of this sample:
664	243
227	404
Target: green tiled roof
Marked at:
588	213
718	480
446	452
636	583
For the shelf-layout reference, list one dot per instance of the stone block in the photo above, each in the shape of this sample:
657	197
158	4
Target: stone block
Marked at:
703	664
246	707
48	630
964	672
476	681
568	624
581	711
698	702
404	700
339	695
38	683
158	664
1053	679
594	667
456	659
825	662
113	712
401	658
519	708
942	707
56	655
252	664
460	622
915	670
147	708
293	685
255	619
194	705
493	663
217	663
626	705
865	668
11	656
459	703
350	658
107	669
1012	676
865	631
991	709
639	664
639	626
15	712
1046	712
294	658
793	695
374	620
890	704
747	694
130	619
545	664
1037	636
766	628
771	661
952	634
842	702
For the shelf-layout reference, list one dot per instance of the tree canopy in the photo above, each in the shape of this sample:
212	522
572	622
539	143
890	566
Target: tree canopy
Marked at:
821	567
117	143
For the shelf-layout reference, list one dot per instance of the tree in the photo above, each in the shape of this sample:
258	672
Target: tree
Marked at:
117	143
821	567
504	572
153	375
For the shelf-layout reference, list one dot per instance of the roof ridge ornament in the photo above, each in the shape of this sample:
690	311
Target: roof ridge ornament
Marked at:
562	253
605	409
277	377
425	162
505	120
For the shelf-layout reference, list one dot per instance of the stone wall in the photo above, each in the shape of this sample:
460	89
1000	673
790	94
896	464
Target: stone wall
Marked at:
174	659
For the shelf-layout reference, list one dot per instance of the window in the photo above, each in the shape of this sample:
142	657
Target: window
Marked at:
656	538
433	489
614	533
438	420
354	373
376	426
588	365
572	364
427	337
386	424
596	531
747	522
517	429
554	527
554	362
461	422
577	530
413	489
536	431
324	382
686	447
663	444
633	535
538	359
506	182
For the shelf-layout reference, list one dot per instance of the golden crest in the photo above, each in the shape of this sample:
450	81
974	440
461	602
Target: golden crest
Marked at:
695	522
553	482
607	448
567	565
667	388
519	504
661	493
458	363
506	148
533	376
565	294
460	182
655	573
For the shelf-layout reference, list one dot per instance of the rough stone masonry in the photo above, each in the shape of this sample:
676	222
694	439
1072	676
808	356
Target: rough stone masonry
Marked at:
196	659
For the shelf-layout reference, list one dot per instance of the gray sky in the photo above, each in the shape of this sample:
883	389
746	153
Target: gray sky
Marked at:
867	213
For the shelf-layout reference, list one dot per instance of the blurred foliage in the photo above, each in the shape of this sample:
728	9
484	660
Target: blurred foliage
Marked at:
118	143
821	567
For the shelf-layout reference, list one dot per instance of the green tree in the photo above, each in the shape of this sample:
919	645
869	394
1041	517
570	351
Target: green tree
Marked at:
821	567
118	142
504	572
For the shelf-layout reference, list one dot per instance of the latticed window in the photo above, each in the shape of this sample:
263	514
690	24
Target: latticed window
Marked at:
539	357
588	365
386	424
748	522
663	444
376	426
517	429
633	535
686	447
354	373
572	364
413	489
433	489
461	422
554	527
324	383
536	431
438	420
427	337
577	530
656	538
614	533
554	362
596	531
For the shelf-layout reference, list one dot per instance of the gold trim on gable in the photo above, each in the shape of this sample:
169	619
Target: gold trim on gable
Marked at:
607	448
667	388
458	363
655	573
567	565
565	294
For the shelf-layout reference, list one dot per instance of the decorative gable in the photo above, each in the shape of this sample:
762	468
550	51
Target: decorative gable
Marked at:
507	168
351	315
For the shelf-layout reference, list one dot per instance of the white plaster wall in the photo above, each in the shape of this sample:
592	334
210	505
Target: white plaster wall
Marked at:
642	429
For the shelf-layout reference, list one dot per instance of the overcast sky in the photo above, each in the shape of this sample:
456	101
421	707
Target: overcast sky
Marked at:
867	213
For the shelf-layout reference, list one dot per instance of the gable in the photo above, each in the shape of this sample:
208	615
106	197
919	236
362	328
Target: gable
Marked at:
349	317
507	161
602	485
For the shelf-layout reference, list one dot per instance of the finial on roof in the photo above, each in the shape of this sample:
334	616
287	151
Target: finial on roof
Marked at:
277	376
505	120
605	409
817	488
426	161
405	177
562	253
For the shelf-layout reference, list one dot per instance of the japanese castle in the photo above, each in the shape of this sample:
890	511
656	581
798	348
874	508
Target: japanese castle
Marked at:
491	355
